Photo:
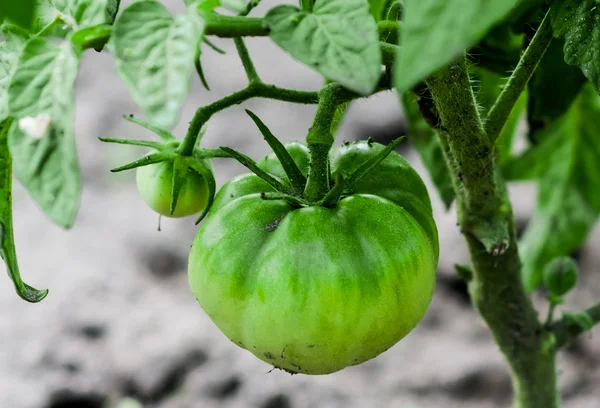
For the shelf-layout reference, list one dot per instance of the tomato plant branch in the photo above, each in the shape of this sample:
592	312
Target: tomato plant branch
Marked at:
307	5
246	60
498	115
482	211
319	140
566	330
235	26
496	287
255	90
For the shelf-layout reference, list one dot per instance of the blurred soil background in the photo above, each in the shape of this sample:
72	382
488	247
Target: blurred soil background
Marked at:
121	328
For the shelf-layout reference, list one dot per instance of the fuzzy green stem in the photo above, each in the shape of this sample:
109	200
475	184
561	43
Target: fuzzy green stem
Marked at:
307	5
500	112
319	140
496	288
550	316
256	90
565	330
249	67
235	26
483	209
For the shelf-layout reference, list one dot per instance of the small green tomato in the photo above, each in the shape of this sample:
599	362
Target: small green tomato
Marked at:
560	276
155	184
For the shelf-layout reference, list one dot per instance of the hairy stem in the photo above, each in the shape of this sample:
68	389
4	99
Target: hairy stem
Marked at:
320	140
249	67
498	115
496	288
483	209
235	26
565	330
255	90
307	5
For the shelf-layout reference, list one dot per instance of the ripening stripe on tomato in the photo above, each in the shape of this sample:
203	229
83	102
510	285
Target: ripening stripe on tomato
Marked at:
313	290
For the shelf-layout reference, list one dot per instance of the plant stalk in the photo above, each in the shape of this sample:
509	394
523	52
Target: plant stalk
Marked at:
319	140
496	288
500	112
254	90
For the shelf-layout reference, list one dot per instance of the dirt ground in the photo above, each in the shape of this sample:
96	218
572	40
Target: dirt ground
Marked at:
121	322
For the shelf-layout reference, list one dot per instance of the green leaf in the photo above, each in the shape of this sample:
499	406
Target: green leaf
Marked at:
566	163
290	167
7	241
20	12
339	39
377	8
435	32
428	145
92	37
237	6
42	141
548	103
75	14
582	319
154	53
577	22
15	39
112	8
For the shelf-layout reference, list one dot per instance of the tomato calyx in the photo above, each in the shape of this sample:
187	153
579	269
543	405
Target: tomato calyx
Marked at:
292	188
168	151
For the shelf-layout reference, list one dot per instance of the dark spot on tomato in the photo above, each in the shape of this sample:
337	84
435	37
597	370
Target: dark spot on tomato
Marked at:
310	346
273	226
269	356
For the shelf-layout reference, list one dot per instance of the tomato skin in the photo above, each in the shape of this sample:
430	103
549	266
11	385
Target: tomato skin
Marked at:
314	290
155	182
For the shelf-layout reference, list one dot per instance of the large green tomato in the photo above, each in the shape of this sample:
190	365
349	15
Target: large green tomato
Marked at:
313	290
155	184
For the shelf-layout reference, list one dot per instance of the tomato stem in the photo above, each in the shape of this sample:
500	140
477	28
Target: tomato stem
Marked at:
249	67
319	140
500	112
307	5
483	208
255	90
235	26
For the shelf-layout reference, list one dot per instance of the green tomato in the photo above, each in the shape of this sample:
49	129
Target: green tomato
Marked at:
313	290
560	276
155	184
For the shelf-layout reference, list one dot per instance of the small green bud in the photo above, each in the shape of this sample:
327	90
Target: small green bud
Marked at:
560	276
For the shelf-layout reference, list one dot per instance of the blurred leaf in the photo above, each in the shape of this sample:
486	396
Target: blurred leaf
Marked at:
428	145
154	53
75	14
489	87
567	165
112	8
42	141
20	12
548	103
92	37
435	32
14	41
377	8
578	23
581	319
7	241
499	51
339	39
